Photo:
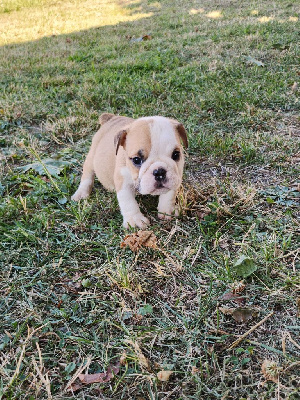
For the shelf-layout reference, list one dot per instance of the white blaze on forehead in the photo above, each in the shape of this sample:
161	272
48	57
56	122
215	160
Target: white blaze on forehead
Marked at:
163	137
163	142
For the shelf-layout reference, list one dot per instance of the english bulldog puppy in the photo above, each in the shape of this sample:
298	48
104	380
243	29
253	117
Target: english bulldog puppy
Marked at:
130	156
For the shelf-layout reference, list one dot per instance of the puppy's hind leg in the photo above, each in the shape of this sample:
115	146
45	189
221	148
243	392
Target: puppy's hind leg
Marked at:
87	179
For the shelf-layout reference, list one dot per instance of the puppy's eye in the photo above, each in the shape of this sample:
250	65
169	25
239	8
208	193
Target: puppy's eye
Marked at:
176	155
137	161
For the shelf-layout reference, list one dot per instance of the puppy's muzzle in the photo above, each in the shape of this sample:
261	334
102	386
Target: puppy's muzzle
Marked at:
160	174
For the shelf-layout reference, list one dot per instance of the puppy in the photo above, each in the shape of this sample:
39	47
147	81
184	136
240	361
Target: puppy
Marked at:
141	155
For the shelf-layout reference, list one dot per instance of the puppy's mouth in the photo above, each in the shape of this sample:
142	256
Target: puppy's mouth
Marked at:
159	185
157	189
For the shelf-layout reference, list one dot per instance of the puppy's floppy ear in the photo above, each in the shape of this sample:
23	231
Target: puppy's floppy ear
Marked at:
105	117
120	139
182	133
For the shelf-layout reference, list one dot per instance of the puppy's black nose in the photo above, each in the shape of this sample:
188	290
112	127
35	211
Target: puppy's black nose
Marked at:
160	174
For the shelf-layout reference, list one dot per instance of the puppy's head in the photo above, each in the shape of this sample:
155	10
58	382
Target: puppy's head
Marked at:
154	153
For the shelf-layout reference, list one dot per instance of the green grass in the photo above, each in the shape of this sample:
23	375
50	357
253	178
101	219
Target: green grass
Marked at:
69	294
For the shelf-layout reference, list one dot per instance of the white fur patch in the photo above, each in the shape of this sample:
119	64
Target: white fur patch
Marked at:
128	205
163	143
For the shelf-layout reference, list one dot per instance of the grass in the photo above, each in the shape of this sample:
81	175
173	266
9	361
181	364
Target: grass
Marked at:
71	297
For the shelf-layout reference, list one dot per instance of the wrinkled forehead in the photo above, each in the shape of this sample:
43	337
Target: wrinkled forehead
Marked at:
155	134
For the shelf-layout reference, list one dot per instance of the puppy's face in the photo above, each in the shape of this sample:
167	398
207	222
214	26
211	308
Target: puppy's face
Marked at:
154	154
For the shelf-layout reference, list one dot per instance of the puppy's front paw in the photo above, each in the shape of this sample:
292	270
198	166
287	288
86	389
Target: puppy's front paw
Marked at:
136	220
83	190
80	194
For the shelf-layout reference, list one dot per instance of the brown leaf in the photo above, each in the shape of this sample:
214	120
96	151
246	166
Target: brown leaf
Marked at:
140	239
195	370
142	38
144	362
229	296
270	370
298	307
226	310
243	314
75	387
239	314
238	287
100	377
164	376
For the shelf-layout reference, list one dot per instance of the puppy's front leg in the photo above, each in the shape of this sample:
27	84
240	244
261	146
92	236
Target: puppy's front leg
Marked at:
166	205
87	179
130	210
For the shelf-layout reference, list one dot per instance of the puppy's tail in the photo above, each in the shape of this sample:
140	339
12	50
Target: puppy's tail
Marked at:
105	117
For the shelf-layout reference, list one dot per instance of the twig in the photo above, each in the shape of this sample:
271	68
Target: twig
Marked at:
288	335
288	254
294	261
236	342
294	364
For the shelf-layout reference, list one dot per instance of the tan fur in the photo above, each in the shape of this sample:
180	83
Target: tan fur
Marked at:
116	143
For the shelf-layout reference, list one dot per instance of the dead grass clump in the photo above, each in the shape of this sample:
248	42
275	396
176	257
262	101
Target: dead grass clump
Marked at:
221	198
69	129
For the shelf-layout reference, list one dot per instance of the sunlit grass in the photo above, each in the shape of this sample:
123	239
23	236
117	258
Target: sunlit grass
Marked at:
23	21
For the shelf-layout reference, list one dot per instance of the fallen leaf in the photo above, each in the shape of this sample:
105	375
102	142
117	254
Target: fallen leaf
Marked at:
100	377
238	287
233	296
243	314
240	314
244	266
226	310
270	371
142	38
164	376
229	296
140	239
252	60
298	307
74	387
144	363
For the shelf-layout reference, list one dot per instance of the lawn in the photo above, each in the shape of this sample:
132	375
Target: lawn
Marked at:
211	311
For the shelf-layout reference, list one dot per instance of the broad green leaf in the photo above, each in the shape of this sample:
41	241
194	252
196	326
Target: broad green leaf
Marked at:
244	266
70	367
86	283
63	200
54	167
